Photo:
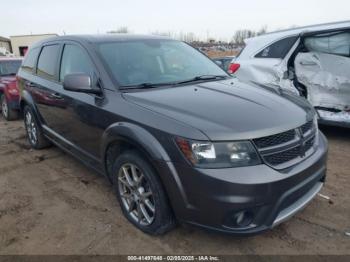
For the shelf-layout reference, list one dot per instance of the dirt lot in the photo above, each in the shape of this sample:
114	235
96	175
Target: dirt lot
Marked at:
52	204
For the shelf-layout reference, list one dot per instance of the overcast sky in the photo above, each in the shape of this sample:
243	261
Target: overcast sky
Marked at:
216	18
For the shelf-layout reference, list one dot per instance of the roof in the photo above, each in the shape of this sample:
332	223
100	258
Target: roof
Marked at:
4	39
268	38
102	38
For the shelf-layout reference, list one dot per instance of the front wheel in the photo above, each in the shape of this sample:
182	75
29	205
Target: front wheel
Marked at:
141	194
7	112
35	135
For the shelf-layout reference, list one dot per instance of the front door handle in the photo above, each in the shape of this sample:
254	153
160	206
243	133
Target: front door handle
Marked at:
30	84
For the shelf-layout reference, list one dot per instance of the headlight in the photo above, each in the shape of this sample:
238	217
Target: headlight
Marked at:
218	155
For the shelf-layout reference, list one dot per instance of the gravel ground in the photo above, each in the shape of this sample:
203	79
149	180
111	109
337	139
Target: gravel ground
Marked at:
51	204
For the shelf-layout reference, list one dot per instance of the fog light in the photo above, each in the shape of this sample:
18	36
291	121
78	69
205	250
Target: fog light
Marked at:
243	218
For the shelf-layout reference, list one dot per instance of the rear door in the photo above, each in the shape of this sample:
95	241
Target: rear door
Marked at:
324	68
43	84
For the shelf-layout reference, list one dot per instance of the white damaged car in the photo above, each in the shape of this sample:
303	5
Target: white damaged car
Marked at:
313	61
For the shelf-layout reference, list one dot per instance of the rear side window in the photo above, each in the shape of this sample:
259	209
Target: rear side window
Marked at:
278	49
30	59
8	68
48	61
75	60
335	43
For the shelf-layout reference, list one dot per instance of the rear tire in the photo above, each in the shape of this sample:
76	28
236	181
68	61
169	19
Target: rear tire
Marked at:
141	195
35	135
8	113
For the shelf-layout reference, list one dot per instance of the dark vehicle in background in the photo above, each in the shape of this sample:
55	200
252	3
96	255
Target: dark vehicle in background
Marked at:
224	62
9	93
179	138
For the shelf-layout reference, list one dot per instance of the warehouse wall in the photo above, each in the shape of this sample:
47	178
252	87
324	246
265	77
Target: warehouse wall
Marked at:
6	45
21	43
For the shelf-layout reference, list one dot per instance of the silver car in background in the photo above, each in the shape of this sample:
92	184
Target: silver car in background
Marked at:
313	61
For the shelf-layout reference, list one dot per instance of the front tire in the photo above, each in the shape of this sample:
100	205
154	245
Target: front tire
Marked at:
35	135
8	113
141	194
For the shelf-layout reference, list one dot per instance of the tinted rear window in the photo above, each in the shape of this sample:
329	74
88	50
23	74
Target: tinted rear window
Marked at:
278	49
30	59
48	61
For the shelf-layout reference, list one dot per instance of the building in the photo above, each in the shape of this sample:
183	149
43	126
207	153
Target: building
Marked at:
21	43
5	45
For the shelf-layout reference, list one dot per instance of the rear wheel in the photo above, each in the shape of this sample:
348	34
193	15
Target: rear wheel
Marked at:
35	135
7	112
141	194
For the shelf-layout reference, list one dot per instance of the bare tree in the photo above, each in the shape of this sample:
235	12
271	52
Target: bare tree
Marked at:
240	35
262	31
120	30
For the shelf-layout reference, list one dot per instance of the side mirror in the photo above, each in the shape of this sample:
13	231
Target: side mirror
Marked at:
79	82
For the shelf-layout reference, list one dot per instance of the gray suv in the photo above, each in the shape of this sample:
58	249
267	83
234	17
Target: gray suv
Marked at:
178	138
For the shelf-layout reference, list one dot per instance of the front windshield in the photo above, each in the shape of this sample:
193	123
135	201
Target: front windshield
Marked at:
155	62
9	67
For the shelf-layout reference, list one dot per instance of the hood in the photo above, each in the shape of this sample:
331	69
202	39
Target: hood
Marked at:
7	79
227	110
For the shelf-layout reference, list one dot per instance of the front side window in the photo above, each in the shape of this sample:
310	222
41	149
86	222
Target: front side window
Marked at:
8	68
278	49
155	61
48	61
75	60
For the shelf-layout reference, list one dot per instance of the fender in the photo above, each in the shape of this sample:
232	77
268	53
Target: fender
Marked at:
26	98
134	134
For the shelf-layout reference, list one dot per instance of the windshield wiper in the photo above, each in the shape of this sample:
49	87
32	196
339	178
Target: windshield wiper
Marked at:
203	78
154	85
145	85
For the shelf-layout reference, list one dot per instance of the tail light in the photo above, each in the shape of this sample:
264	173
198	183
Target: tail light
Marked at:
233	68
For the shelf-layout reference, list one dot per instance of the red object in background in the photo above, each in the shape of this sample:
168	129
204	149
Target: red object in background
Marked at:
233	68
8	81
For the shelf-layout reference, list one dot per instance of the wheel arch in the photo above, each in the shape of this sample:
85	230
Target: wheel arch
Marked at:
27	99
130	136
122	136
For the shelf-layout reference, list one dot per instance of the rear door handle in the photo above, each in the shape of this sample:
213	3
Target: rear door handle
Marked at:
56	95
308	63
30	84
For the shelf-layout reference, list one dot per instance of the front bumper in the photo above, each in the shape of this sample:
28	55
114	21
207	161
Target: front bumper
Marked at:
213	198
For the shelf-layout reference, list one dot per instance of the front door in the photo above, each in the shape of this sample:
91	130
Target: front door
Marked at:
77	121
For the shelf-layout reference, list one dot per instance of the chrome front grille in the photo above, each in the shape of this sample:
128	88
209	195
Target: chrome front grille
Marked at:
288	148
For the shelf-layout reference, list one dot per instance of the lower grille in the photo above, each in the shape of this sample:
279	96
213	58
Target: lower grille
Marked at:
285	149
